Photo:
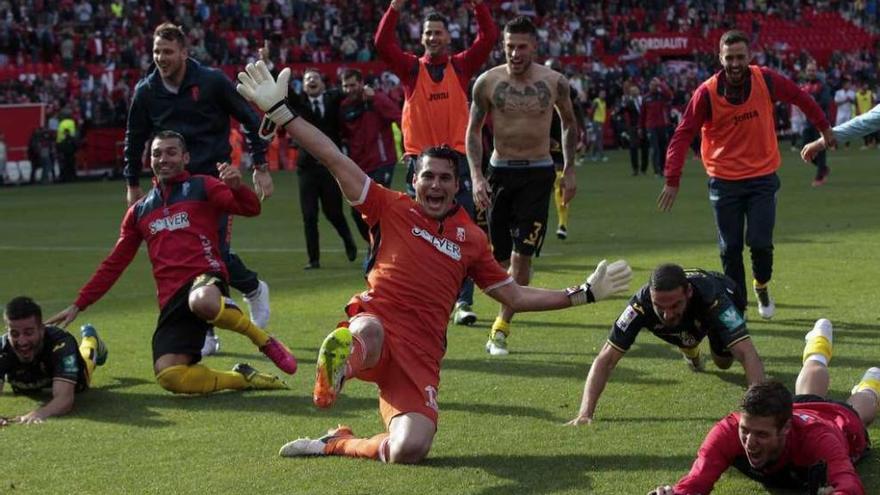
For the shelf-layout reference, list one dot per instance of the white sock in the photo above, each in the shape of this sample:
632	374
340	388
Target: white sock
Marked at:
819	358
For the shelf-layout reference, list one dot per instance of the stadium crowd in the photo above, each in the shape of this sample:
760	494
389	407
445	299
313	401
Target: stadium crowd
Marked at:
82	58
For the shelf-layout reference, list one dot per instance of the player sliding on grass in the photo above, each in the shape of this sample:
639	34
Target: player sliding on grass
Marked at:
178	220
34	357
806	442
396	335
682	308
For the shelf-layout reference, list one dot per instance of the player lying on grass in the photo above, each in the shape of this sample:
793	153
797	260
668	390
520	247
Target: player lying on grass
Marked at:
34	357
864	124
682	308
806	442
178	219
423	250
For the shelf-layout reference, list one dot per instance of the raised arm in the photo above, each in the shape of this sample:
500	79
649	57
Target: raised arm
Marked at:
569	138
258	86
387	47
474	141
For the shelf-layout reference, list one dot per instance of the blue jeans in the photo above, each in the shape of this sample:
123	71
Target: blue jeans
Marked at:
745	214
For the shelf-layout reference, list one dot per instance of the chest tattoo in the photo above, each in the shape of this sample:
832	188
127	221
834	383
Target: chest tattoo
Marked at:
531	99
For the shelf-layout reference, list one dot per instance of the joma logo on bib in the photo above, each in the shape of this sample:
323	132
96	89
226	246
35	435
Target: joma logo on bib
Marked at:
174	222
445	246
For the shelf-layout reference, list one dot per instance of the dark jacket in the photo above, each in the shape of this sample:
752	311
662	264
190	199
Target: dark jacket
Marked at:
200	111
329	123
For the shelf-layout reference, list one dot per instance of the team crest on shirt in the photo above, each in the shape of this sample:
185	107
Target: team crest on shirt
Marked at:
459	234
442	244
195	93
185	189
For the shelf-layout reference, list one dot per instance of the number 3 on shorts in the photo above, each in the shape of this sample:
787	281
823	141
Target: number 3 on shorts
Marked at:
532	239
431	393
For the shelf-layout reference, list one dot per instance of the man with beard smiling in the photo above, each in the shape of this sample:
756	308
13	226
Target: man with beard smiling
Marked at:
682	308
521	97
733	110
805	442
34	356
198	102
396	332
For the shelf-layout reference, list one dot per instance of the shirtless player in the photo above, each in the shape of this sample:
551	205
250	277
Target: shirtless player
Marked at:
521	96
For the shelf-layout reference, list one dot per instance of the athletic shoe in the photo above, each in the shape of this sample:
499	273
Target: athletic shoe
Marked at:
463	314
870	381
88	330
332	361
308	446
257	380
562	233
280	355
497	344
766	305
351	251
696	364
822	328
258	305
820	181
211	345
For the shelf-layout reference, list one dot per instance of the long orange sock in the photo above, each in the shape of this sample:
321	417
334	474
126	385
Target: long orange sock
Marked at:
369	448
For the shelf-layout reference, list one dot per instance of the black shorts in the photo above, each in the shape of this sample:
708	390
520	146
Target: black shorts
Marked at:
179	330
518	209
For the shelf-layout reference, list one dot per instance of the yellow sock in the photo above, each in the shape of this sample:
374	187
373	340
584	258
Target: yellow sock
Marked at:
690	352
199	379
88	349
561	211
231	318
818	345
871	381
500	326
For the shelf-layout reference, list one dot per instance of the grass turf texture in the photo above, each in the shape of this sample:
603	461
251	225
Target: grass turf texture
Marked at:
501	419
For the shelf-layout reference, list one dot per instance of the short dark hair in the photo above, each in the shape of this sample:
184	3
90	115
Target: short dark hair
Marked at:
313	70
668	276
170	32
768	399
22	307
521	25
169	134
349	73
443	152
734	36
436	17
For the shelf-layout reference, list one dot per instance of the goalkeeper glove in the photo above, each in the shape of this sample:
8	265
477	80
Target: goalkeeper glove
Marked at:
257	85
603	282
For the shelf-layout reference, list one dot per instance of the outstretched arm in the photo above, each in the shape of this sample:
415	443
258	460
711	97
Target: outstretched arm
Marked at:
258	86
600	371
61	403
606	280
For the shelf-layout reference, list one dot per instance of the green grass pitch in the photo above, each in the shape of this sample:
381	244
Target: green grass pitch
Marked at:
501	424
